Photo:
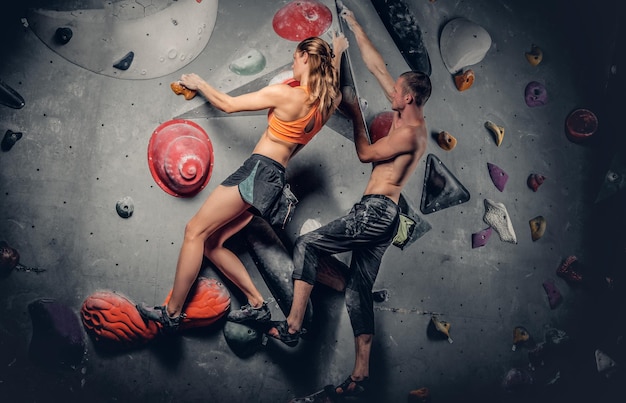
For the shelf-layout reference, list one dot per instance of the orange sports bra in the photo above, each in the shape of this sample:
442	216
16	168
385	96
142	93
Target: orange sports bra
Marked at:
294	131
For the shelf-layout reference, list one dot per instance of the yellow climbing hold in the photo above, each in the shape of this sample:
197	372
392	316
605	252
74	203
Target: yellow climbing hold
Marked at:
520	335
498	131
442	327
535	56
537	227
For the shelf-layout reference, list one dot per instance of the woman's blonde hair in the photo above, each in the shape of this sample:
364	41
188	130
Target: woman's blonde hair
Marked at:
323	79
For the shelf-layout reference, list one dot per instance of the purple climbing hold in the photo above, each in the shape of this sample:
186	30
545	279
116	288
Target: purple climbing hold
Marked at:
517	379
554	296
535	94
57	335
480	238
498	176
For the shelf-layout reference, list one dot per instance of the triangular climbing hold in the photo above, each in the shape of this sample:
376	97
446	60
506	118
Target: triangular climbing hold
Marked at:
480	238
604	362
498	176
441	188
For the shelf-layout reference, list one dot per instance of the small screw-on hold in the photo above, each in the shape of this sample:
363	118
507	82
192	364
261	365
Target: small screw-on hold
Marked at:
125	207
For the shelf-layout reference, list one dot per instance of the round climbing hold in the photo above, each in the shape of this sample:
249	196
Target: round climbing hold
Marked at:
580	125
125	207
535	94
243	340
252	62
180	157
534	181
302	19
63	35
446	140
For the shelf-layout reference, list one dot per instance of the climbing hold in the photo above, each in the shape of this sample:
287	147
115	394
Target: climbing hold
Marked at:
125	62
480	238
554	296
534	181
180	157
498	176
10	97
464	80
555	337
57	337
441	189
520	335
517	379
125	207
300	19
535	56
208	301
113	320
498	218
605	364
421	395
9	258
580	125
446	141
498	131
537	227
442	327
243	340
380	126
463	43
569	270
380	295
535	94
62	35
9	139
180	89
250	63
615	177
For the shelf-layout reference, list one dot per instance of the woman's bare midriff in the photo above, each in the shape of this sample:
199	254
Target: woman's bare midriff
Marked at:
274	148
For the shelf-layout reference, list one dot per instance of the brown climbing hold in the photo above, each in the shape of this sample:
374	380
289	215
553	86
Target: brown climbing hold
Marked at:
421	395
537	227
442	326
520	335
534	181
498	131
535	56
180	89
464	80
446	140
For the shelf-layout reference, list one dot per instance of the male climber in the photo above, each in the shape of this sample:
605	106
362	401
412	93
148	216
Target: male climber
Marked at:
368	229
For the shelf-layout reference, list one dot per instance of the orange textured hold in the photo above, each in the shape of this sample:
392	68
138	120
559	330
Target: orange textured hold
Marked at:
207	302
180	89
112	317
421	395
464	80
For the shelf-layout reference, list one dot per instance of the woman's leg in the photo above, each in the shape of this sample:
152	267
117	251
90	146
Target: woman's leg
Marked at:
228	263
222	206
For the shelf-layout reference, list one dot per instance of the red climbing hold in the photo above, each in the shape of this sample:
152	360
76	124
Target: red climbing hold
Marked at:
580	125
180	157
380	126
301	19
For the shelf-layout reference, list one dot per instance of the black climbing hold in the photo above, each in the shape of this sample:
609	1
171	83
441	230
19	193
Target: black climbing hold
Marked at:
63	35
125	62
10	97
441	188
125	207
9	139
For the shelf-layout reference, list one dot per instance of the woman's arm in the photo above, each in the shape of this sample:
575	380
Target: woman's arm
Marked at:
265	98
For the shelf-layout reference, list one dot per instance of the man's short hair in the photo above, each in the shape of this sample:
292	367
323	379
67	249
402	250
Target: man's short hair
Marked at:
418	85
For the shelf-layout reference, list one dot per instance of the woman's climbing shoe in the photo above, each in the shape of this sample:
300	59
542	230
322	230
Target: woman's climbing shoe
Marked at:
350	387
282	330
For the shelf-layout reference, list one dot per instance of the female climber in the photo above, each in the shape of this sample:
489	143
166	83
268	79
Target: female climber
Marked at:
296	114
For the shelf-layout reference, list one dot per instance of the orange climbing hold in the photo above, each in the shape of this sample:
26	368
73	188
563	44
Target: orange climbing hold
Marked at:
421	395
111	317
446	140
464	80
207	302
520	335
180	89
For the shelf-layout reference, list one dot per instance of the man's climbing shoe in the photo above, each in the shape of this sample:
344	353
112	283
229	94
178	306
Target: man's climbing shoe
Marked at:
290	339
159	314
248	313
350	387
